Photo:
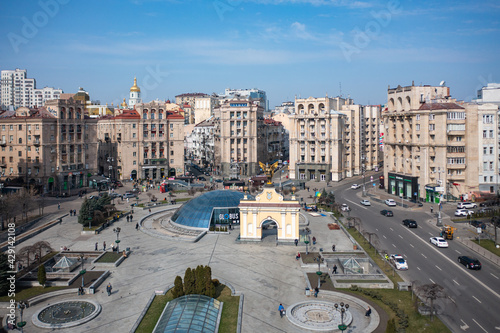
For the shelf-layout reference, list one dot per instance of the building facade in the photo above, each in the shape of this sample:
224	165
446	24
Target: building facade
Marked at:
430	144
489	94
257	95
241	137
40	96
52	147
17	89
201	148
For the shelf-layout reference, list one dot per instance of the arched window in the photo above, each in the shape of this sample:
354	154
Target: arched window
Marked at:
145	114
70	113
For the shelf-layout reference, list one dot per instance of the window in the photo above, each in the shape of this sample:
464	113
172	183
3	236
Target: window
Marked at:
171	126
491	134
418	117
485	150
455	127
20	140
20	153
171	161
431	116
134	144
491	178
491	166
488	119
171	153
20	127
133	126
491	150
455	115
418	127
485	166
171	135
133	135
134	154
432	127
484	179
134	163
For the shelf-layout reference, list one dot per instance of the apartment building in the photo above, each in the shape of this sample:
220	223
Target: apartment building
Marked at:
40	96
52	147
489	94
431	144
204	108
257	95
145	143
201	143
241	137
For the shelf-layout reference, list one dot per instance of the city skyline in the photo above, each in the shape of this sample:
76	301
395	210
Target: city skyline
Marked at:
287	48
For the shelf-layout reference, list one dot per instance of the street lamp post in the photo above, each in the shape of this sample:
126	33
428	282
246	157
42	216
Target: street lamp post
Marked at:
117	231
83	271
319	271
342	309
439	222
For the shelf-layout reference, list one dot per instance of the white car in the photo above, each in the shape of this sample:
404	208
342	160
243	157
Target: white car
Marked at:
398	261
390	202
463	212
365	202
439	241
355	186
345	208
466	205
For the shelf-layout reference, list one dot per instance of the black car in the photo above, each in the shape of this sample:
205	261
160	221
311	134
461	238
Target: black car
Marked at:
470	263
478	224
387	213
410	223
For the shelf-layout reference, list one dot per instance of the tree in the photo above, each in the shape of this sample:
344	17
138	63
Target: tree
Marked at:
370	236
200	280
178	289
40	247
431	292
25	253
4	268
189	282
42	275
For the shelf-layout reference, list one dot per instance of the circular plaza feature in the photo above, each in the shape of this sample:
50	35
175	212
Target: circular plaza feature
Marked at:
66	314
317	316
218	207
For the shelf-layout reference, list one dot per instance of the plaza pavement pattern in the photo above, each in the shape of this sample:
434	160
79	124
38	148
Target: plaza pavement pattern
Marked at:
266	275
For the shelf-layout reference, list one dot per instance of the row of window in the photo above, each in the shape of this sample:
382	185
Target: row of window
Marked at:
488	166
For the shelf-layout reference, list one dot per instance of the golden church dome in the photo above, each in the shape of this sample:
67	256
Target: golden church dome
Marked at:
135	87
124	104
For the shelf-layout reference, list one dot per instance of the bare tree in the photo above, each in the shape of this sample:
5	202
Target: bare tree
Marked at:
370	235
25	253
41	248
431	292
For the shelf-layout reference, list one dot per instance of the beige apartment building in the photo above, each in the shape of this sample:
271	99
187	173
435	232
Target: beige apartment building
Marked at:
431	144
240	141
52	147
333	138
145	143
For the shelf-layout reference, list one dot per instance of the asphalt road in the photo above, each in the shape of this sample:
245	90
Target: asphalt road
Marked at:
473	296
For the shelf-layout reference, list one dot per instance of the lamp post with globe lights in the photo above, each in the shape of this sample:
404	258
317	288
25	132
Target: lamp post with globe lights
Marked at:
342	308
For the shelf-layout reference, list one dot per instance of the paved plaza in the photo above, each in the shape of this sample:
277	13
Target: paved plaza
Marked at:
265	274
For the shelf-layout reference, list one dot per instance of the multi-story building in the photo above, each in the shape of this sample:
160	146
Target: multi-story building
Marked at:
255	94
240	137
489	94
52	147
201	139
430	144
40	96
145	143
285	107
204	108
17	89
324	146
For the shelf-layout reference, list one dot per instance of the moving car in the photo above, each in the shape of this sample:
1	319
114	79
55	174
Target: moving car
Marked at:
463	212
466	205
478	224
129	195
410	223
469	262
387	213
345	208
439	241
398	261
355	186
390	202
365	202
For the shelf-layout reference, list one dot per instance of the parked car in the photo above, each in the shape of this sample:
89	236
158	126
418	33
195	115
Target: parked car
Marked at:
469	262
387	213
355	186
439	241
410	223
218	180
398	261
390	202
486	210
129	195
202	178
466	205
463	212
365	202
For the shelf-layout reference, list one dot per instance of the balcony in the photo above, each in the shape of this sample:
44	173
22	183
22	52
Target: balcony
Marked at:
3	143
456	166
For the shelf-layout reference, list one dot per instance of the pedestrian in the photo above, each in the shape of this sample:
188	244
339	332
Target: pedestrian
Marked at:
316	291
131	216
108	288
281	309
128	218
296	241
334	269
432	209
368	312
104	245
137	226
74	212
297	257
314	240
333	248
59	205
96	246
149	210
70	212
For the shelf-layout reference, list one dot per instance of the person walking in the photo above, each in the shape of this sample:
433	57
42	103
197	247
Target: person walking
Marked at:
104	245
59	205
316	291
71	212
96	246
296	241
109	288
281	309
137	226
334	269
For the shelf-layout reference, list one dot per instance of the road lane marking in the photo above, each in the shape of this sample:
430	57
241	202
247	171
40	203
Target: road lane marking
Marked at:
496	277
438	267
458	252
479	325
418	268
451	299
423	255
476	299
391	229
384	236
359	205
412	245
456	282
393	245
430	233
464	271
400	236
376	229
464	326
432	281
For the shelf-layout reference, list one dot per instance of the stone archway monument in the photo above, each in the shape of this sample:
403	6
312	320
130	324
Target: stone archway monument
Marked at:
269	205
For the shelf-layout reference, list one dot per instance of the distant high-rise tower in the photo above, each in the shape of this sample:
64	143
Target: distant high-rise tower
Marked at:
135	95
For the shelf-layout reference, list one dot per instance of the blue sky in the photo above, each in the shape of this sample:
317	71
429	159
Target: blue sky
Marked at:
286	47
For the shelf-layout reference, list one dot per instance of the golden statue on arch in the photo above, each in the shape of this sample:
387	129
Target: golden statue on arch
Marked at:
269	171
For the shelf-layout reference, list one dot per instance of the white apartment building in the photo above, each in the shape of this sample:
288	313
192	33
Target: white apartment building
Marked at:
255	94
487	136
200	143
40	96
489	94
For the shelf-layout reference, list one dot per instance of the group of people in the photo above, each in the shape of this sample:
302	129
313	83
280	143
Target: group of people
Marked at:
72	212
129	218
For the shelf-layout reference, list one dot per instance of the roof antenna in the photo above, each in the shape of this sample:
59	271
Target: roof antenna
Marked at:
340	87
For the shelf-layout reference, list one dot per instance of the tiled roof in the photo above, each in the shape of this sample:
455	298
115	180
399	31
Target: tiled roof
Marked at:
439	106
